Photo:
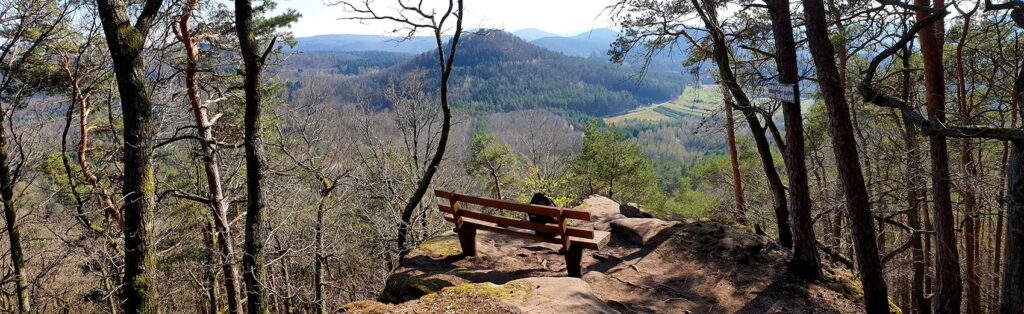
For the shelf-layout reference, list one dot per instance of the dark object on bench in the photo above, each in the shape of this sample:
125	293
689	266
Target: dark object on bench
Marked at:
573	239
541	199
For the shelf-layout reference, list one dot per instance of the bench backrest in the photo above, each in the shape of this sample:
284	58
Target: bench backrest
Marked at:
559	233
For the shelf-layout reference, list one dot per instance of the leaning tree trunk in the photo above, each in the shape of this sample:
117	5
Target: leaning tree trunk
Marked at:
211	164
722	60
125	43
445	63
805	251
740	214
13	226
847	159
999	245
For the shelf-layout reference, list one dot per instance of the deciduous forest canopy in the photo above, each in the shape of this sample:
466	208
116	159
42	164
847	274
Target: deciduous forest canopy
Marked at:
196	156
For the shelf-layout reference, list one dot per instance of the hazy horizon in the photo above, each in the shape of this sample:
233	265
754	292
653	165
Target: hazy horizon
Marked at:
319	18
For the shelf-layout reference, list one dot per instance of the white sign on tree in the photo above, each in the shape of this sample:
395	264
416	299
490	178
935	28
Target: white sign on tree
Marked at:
782	92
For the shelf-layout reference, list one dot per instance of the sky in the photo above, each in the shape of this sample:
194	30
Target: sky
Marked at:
563	17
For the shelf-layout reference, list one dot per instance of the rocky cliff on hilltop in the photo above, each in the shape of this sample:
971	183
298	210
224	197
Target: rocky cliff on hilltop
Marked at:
649	266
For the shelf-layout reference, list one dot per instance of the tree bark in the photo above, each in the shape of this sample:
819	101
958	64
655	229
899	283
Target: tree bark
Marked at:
805	253
914	197
847	159
211	163
255	232
13	228
125	43
445	62
740	214
1012	293
948	287
968	194
742	102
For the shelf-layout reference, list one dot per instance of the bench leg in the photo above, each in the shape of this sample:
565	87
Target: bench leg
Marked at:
573	260
467	239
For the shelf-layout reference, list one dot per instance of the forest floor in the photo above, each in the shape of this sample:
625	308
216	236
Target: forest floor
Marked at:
684	267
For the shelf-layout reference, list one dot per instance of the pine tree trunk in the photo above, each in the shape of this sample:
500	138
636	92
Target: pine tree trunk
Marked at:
1012	293
255	232
914	197
805	251
13	226
211	164
847	159
948	286
968	195
722	60
740	213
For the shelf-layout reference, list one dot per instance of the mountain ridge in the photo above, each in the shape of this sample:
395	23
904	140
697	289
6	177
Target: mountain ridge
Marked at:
497	71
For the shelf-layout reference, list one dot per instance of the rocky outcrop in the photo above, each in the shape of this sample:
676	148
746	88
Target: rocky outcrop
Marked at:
638	231
527	295
632	210
650	265
602	210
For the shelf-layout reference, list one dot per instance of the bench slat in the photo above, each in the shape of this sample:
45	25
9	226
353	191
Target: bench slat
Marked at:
525	208
505	221
600	237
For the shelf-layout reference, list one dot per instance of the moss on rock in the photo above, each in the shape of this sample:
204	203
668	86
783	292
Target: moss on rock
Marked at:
439	247
411	285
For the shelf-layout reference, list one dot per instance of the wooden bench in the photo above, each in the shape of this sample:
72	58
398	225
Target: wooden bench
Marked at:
572	239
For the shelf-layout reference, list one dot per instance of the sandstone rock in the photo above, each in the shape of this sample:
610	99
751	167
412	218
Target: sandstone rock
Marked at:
367	307
540	295
600	207
602	210
632	210
638	230
412	284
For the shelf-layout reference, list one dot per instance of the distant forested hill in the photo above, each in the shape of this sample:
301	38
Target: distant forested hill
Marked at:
344	63
350	42
497	71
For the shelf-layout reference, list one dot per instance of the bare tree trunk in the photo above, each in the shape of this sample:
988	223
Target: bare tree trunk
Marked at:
213	291
847	160
125	43
805	251
445	62
1012	293
999	246
255	232
13	229
914	197
722	60
740	214
211	163
969	197
318	263
948	287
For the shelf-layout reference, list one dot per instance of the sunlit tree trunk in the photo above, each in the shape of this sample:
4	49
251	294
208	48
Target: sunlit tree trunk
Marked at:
125	43
948	288
740	213
805	251
847	159
211	164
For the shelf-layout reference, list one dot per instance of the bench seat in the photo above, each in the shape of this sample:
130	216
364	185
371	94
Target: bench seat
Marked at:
599	241
573	239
